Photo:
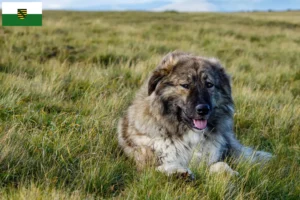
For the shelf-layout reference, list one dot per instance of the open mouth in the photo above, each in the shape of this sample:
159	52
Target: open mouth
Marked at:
200	124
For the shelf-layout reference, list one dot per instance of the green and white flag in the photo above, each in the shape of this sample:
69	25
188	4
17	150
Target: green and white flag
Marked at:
21	13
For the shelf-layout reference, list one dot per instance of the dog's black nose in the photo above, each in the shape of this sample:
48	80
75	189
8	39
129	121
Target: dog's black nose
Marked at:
202	109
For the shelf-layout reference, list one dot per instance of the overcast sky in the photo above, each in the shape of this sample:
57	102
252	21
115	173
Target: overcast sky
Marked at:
161	5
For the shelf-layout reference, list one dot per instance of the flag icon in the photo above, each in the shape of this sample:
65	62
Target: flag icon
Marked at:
21	13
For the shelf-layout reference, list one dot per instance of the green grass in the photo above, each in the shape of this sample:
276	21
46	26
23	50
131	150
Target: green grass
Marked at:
64	85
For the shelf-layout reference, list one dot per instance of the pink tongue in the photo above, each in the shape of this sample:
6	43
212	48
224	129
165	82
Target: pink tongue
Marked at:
200	124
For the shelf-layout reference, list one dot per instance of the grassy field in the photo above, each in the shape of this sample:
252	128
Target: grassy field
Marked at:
64	85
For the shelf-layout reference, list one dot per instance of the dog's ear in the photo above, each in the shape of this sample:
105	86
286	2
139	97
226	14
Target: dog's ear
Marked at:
154	80
224	78
225	81
162	70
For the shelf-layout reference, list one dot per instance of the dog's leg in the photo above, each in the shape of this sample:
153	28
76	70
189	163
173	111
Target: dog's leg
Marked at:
173	158
211	154
144	156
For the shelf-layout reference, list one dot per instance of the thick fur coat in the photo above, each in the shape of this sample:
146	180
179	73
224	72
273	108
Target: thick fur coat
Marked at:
184	111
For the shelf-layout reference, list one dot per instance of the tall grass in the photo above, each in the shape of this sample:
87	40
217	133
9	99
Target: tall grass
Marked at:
64	85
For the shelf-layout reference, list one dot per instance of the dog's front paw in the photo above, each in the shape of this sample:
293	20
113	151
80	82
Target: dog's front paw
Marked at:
187	175
181	172
222	167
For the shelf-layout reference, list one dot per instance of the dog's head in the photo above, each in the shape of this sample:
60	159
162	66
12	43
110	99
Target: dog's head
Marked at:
194	89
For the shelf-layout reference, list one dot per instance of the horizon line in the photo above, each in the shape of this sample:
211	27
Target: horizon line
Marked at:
175	11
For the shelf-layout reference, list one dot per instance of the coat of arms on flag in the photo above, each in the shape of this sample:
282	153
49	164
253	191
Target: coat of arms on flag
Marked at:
22	14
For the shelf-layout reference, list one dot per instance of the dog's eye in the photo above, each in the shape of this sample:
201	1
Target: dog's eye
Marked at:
186	86
209	85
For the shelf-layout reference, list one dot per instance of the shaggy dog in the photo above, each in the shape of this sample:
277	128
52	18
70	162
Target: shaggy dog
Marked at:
184	111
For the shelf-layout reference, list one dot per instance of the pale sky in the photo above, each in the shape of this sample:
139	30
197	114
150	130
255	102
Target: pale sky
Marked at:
161	5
